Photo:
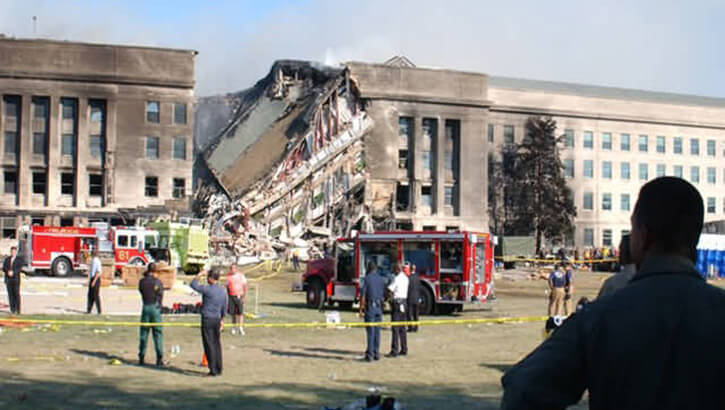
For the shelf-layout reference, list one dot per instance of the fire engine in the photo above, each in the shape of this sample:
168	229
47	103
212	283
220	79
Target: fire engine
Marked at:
454	268
63	250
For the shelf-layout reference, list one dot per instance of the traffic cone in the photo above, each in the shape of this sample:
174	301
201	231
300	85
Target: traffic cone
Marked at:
204	363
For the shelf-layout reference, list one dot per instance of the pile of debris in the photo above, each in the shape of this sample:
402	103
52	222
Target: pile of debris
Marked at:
288	170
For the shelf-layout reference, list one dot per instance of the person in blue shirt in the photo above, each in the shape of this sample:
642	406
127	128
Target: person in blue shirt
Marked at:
557	292
372	293
94	283
213	309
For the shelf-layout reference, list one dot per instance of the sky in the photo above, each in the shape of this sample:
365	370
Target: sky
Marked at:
664	45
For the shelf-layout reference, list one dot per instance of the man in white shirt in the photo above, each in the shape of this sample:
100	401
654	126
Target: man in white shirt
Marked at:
94	283
399	290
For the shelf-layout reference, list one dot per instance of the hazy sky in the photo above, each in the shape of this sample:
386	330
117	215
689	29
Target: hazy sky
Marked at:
663	45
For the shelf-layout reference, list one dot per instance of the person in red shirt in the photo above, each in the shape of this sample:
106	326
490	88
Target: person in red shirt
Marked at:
237	291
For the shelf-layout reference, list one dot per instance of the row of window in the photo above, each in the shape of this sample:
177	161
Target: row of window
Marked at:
588	237
40	107
643	143
643	171
95	184
153	113
625	202
178	148
430	128
625	141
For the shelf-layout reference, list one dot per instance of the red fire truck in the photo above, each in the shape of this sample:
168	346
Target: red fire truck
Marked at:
63	250
454	267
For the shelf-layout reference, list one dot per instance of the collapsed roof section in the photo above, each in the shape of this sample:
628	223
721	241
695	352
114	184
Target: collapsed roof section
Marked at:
290	161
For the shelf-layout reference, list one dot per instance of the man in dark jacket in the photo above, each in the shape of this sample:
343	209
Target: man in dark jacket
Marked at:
152	294
654	344
12	268
413	298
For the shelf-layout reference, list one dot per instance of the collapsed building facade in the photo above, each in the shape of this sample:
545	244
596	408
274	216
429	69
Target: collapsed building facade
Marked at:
311	153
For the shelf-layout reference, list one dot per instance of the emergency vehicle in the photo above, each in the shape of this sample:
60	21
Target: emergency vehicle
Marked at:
62	250
454	267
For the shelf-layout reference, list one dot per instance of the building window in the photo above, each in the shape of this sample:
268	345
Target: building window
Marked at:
588	168
402	197
607	141
37	221
10	143
39	143
643	172
152	111
68	145
607	169
96	111
180	148
588	237
95	184
39	182
711	175
11	104
67	183
643	143
660	170
624	202
405	130
10	179
152	147
711	205
8	227
40	107
624	170
179	113
624	142
677	145
490	132
588	138
179	188
403	158
68	108
606	202
711	148
569	168
607	237
660	144
588	201
448	160
66	222
152	187
677	171
96	146
695	175
426	196
448	193
509	137
694	146
427	160
569	138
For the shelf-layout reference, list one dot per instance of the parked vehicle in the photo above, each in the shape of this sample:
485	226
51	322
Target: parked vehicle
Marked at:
187	241
455	268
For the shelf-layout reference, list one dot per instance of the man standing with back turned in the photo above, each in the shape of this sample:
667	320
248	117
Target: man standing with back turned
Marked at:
399	289
12	267
654	344
94	283
152	295
372	292
213	308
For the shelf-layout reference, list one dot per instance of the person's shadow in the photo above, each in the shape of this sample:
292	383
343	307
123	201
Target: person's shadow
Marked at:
109	357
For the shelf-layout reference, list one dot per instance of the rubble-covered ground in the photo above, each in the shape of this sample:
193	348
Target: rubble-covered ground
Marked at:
286	172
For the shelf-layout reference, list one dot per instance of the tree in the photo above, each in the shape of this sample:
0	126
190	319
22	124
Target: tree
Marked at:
528	193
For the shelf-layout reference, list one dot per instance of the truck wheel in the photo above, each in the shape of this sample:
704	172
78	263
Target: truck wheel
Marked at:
345	305
426	305
61	267
136	262
315	294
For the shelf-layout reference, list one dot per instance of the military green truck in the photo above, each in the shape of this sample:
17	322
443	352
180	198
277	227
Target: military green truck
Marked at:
511	249
187	241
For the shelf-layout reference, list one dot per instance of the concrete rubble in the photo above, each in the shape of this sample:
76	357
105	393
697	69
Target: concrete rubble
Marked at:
287	173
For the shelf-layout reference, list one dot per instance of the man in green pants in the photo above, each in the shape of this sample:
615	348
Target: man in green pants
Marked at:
152	293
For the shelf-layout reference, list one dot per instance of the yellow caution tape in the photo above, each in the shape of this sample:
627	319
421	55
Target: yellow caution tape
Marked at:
556	260
499	320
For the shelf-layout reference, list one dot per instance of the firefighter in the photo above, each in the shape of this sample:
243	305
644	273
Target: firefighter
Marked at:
372	293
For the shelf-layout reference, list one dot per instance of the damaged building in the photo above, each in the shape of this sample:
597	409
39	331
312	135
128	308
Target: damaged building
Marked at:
314	152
